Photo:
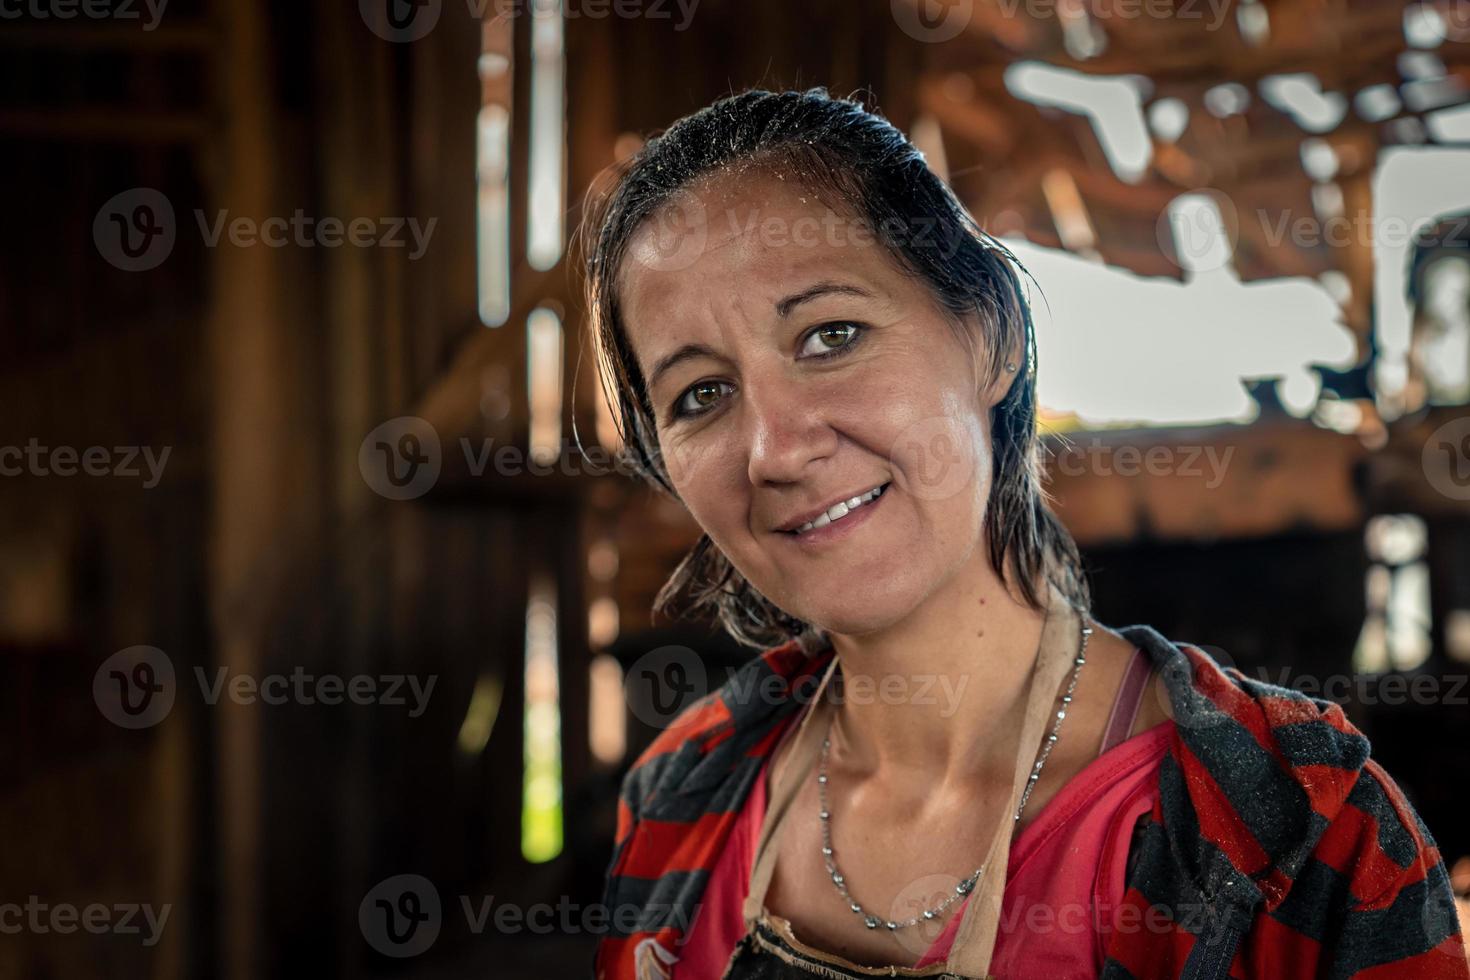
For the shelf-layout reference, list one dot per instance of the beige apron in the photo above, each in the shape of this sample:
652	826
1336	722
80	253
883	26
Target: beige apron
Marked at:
975	940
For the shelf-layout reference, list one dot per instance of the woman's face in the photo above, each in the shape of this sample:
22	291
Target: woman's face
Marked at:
792	367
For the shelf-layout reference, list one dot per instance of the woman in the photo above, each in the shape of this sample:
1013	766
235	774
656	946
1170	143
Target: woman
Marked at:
815	349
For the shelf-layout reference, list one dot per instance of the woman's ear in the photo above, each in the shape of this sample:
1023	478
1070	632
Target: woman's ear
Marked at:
1009	371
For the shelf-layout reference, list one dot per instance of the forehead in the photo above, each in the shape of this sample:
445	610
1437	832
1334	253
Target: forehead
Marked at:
742	243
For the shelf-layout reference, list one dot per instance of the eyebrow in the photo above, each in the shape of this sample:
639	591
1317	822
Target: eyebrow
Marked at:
686	353
785	306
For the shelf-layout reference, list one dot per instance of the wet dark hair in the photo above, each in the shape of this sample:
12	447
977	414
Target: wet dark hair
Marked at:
837	146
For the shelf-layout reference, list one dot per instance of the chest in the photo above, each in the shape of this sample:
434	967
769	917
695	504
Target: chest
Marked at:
900	853
897	861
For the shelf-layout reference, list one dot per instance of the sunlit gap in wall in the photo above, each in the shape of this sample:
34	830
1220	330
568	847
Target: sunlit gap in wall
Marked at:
545	222
492	169
541	793
480	715
1114	105
544	355
1396	627
1411	187
1121	350
492	220
607	725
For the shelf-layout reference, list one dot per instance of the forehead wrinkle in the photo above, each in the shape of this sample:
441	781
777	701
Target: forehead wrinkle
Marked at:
741	264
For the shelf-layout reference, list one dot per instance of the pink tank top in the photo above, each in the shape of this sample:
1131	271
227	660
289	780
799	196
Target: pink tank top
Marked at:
1064	878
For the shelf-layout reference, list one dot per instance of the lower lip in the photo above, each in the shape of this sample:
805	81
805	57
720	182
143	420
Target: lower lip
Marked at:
839	529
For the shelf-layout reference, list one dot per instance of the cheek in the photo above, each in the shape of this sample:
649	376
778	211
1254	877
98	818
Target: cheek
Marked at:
942	458
681	461
707	480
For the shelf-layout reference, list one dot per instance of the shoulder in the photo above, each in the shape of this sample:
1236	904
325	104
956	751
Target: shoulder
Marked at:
723	735
1283	785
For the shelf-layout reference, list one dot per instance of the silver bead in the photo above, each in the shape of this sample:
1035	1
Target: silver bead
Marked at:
871	922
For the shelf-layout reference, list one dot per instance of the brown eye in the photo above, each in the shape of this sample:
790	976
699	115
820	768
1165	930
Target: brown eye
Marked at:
830	337
700	398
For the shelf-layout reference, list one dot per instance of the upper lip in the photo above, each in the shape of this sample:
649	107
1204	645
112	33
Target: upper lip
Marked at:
816	512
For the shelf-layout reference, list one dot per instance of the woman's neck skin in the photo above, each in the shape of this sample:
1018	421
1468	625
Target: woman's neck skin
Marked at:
957	675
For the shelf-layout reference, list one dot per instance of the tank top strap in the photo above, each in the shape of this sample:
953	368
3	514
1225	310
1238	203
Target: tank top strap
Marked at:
1127	700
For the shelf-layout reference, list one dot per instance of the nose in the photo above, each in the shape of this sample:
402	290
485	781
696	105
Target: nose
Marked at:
784	430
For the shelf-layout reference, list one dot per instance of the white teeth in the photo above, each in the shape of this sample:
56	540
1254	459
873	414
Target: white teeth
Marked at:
840	510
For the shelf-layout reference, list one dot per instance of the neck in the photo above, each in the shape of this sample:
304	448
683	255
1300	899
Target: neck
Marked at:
938	697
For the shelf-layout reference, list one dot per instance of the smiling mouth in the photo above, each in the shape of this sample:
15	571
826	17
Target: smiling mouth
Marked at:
840	510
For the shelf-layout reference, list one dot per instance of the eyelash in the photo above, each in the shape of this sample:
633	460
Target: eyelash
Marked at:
679	412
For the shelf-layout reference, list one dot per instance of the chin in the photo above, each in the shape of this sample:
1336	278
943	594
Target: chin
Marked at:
857	614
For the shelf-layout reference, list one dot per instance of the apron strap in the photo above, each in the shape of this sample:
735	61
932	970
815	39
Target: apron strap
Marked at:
974	942
804	753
